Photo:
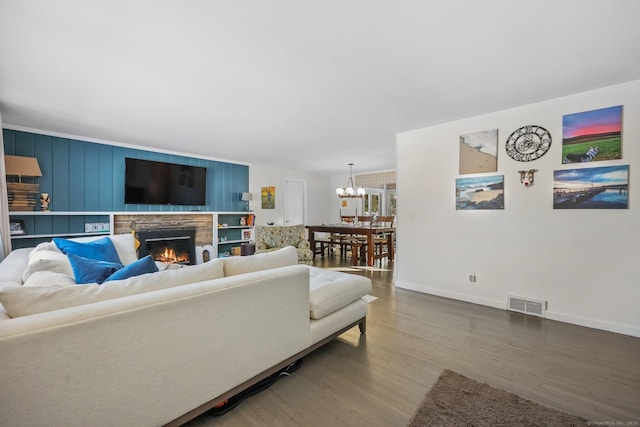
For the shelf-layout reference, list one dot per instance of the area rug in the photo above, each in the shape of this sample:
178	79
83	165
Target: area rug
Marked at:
456	400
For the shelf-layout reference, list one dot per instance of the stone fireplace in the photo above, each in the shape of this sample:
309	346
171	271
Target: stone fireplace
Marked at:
171	246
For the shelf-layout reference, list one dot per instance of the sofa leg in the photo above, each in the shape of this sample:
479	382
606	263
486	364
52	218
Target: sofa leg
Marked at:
363	326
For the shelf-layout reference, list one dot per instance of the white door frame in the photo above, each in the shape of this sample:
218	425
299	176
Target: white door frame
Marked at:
287	200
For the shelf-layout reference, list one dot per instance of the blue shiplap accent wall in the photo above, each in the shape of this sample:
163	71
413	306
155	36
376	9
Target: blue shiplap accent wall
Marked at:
87	176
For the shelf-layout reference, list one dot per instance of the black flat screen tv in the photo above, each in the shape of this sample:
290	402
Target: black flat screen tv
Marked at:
149	182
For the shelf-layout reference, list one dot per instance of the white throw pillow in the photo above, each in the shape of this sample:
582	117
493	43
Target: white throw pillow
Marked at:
264	261
30	300
43	258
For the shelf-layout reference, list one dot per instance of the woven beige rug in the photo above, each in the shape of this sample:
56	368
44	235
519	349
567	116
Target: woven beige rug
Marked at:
456	400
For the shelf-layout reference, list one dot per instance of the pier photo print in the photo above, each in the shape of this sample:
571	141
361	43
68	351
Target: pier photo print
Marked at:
604	187
592	136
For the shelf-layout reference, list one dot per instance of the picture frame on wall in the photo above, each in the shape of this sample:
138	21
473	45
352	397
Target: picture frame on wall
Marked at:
268	197
605	187
479	152
592	136
17	227
480	193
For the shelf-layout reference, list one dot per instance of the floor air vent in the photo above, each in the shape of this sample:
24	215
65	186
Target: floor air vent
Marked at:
527	306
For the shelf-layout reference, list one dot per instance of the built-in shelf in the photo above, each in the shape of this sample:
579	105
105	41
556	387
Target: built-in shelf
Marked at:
234	233
42	236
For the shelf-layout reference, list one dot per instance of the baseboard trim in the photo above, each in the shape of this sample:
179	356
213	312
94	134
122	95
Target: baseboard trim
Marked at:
604	325
601	324
452	295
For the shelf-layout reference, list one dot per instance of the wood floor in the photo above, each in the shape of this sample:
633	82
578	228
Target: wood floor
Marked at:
378	379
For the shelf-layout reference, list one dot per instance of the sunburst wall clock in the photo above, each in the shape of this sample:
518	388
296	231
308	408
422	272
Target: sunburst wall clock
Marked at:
528	143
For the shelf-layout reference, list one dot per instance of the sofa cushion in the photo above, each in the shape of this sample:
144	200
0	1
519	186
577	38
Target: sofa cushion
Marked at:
47	257
264	261
24	301
87	270
49	278
101	249
332	290
142	266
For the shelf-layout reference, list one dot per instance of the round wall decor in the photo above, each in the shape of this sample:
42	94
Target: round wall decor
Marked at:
528	143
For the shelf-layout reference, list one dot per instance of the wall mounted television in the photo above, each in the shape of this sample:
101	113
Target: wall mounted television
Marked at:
149	182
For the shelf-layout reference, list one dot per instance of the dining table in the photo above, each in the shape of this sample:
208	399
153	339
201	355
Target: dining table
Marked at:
356	230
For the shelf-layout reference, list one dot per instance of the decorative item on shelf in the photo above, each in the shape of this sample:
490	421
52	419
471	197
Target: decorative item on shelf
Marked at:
22	195
251	218
44	202
243	221
528	143
350	190
247	197
17	227
235	251
526	177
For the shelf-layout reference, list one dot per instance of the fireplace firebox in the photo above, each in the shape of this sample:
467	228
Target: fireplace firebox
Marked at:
172	246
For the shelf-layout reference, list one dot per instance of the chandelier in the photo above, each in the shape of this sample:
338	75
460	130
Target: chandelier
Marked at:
350	190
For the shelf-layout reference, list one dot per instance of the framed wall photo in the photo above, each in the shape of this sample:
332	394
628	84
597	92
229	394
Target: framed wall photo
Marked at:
482	192
268	197
17	227
479	152
592	136
605	187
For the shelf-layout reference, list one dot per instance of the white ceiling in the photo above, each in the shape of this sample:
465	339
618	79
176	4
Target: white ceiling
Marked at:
310	85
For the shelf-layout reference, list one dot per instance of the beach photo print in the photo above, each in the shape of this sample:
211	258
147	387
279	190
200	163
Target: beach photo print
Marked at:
480	192
592	136
479	152
604	187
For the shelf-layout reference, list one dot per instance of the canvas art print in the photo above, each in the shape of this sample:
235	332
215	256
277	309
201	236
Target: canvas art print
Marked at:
592	136
591	188
479	152
482	192
268	197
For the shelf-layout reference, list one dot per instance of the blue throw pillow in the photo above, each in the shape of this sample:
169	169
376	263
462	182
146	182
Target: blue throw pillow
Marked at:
87	270
100	249
141	266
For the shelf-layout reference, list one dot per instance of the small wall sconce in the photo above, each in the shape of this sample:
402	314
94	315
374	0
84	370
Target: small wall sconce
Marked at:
527	177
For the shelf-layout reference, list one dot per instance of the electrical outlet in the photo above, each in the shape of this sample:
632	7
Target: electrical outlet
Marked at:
472	277
92	227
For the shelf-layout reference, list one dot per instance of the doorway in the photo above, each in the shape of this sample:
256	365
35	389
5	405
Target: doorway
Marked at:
294	202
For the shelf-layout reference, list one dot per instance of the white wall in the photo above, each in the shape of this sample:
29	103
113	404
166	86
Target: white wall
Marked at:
318	192
581	261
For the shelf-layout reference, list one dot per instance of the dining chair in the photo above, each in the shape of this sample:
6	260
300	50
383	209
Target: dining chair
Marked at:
381	241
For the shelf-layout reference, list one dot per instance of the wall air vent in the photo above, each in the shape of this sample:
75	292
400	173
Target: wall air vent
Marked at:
532	306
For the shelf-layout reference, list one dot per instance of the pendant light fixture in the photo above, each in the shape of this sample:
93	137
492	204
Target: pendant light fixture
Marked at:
350	191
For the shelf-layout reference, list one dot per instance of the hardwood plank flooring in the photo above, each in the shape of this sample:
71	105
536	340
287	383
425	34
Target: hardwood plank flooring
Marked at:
379	379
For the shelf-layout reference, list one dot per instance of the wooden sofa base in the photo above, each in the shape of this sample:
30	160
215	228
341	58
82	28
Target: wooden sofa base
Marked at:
362	325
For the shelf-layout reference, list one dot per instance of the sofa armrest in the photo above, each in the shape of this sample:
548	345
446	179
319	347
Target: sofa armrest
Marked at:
304	244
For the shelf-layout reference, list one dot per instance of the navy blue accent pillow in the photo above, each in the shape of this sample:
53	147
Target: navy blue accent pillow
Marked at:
100	249
141	266
87	270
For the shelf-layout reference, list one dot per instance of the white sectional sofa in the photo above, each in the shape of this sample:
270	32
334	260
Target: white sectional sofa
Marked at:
160	348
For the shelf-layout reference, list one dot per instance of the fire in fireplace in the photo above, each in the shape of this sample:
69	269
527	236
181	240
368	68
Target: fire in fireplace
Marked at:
169	246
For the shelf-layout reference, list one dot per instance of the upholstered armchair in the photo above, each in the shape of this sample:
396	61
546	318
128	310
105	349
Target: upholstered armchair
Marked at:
270	238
